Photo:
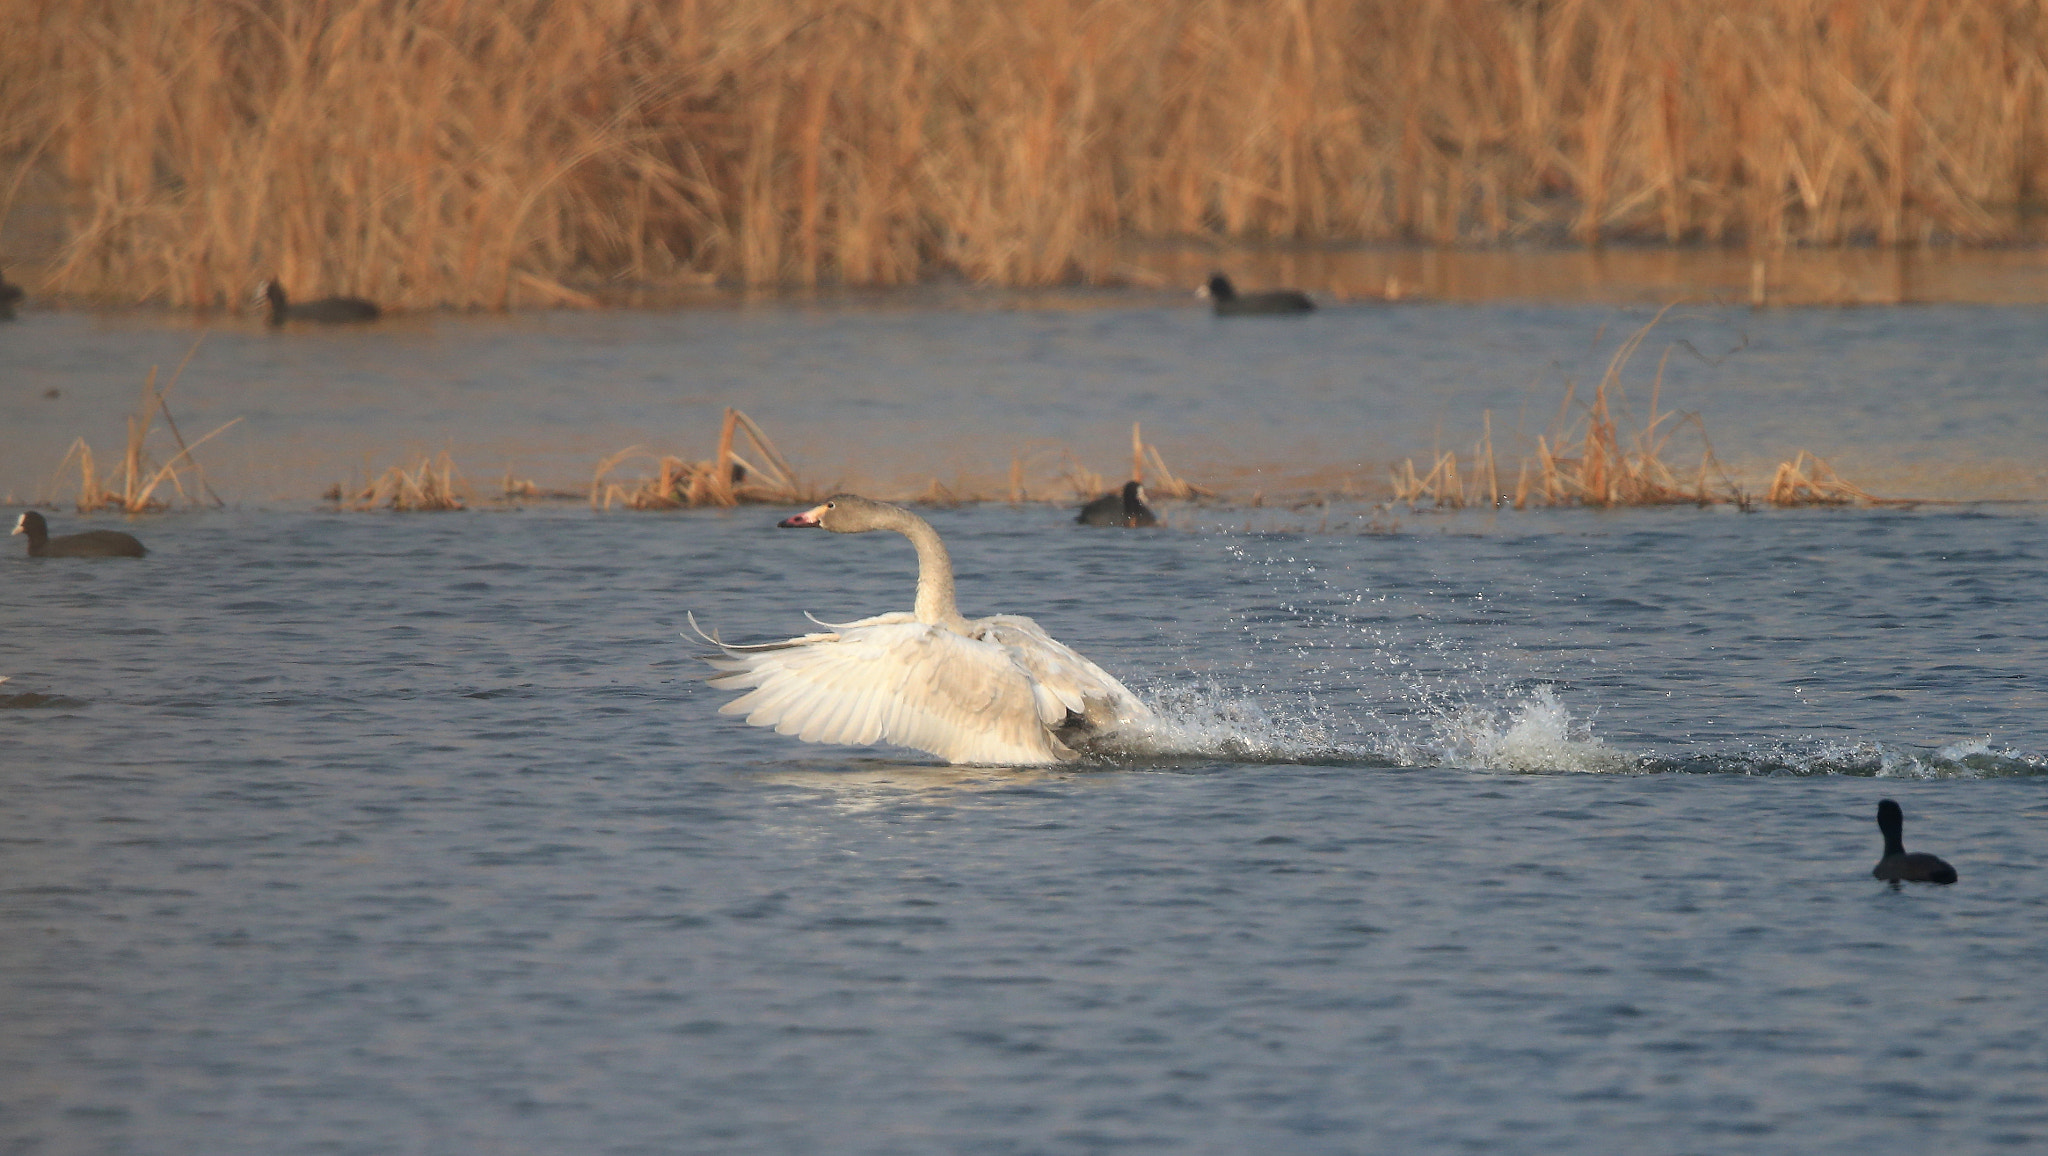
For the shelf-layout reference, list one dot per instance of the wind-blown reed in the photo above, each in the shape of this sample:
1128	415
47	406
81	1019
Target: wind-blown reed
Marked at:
429	152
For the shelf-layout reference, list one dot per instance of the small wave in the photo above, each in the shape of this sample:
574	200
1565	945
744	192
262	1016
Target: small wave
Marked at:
1869	758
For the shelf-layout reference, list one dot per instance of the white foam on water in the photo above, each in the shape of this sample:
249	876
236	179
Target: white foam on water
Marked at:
1536	734
1209	720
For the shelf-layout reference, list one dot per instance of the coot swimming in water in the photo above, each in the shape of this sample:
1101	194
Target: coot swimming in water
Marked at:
88	544
1229	302
1900	864
1127	508
327	310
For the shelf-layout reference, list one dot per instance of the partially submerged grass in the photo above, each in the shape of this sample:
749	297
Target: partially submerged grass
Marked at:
729	478
136	483
1808	480
1083	484
431	485
1586	459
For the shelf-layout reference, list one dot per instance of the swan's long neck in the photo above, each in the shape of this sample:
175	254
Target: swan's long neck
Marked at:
935	604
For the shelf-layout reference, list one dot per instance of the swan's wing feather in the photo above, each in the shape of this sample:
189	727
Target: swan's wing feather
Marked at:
1083	687
876	620
898	682
799	640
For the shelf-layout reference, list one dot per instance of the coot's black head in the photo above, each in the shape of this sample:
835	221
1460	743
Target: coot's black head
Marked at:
1220	287
32	524
1892	822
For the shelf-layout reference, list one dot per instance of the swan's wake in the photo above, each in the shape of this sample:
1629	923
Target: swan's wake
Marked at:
1536	733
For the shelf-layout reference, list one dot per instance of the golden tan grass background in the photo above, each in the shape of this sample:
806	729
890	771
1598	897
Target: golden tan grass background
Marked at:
458	152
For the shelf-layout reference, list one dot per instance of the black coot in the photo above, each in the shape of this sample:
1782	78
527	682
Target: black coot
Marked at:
89	544
327	310
1127	508
1899	864
1229	302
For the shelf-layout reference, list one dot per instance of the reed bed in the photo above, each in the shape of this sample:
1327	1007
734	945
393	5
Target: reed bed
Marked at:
136	482
729	478
432	485
427	152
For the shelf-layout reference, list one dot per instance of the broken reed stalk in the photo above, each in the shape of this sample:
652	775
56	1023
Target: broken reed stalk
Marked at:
485	154
133	486
762	475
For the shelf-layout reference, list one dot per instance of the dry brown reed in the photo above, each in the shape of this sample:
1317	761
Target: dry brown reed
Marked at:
727	479
1584	459
432	485
1808	480
134	484
1083	484
430	152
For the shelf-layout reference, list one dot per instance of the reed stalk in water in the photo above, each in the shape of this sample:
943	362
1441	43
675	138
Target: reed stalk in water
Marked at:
423	152
134	485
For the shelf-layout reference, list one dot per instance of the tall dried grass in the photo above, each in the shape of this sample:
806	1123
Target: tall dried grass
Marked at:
1585	460
135	483
434	152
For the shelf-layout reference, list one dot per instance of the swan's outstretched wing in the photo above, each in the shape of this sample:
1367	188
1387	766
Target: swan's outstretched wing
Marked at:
890	681
1081	686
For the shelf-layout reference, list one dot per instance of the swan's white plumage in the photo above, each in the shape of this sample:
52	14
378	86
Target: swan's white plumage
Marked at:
992	690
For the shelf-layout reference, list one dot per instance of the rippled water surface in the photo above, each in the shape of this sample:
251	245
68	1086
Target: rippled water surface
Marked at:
1528	833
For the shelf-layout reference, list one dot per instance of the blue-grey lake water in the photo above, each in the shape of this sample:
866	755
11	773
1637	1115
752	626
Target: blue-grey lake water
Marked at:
1522	832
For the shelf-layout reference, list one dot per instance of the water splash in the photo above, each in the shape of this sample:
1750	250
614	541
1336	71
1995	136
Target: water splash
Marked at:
1341	674
1374	677
1537	733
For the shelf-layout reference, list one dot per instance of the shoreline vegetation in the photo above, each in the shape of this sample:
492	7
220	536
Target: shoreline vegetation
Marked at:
1582	461
552	152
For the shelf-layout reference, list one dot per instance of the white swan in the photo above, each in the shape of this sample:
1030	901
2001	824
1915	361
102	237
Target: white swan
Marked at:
989	690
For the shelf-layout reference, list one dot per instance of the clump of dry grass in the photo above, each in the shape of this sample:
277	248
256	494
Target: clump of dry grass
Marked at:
1591	465
1808	480
1585	459
432	485
1084	483
135	483
488	154
727	479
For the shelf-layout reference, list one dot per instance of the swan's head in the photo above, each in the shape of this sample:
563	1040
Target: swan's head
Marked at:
846	514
